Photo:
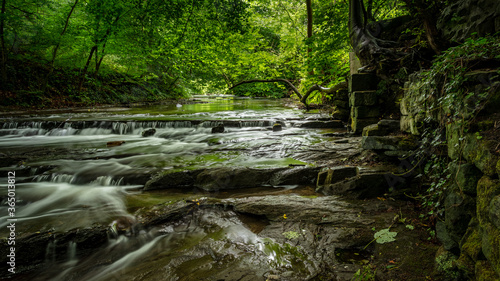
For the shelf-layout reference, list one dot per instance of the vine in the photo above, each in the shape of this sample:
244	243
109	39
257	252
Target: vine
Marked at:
452	96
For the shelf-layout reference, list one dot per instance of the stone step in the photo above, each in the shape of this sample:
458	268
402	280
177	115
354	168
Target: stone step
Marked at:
363	82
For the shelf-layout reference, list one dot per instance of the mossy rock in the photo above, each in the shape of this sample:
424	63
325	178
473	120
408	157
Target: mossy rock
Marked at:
491	245
471	249
484	272
487	189
478	152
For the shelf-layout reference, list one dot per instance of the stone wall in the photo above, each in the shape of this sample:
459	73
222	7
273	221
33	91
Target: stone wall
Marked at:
470	231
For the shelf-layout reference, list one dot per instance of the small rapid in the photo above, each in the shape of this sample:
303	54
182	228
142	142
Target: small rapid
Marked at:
71	180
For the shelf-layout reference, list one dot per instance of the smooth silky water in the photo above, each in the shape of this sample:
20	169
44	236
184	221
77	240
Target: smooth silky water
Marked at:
76	181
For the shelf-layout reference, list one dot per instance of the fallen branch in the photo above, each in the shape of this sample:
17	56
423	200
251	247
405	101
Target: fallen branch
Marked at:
303	98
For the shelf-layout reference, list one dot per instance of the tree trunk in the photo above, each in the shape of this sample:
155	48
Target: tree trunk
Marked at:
367	48
2	42
309	28
84	73
56	48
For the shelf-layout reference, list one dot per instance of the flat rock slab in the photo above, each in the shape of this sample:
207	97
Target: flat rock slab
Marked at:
226	178
363	186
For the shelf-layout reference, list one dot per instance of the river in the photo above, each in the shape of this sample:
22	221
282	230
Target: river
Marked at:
82	213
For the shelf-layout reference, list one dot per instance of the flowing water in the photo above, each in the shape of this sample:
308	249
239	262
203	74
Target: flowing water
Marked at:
68	177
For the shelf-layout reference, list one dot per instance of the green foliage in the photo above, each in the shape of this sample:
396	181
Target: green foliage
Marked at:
367	273
451	99
290	235
385	236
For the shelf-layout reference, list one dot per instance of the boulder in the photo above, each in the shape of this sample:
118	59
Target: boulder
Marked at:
218	129
148	132
277	127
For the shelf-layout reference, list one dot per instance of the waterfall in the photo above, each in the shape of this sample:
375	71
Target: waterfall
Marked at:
50	251
59	178
72	251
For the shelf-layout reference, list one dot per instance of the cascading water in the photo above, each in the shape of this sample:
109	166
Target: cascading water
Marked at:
75	180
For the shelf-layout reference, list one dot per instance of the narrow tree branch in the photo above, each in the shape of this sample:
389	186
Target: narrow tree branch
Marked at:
294	89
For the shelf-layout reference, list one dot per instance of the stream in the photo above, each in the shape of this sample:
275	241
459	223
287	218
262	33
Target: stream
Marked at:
82	213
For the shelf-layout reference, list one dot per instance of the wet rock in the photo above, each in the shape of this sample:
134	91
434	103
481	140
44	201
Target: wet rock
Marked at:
114	143
322	124
148	132
233	178
295	176
363	186
170	179
332	175
35	250
277	127
218	129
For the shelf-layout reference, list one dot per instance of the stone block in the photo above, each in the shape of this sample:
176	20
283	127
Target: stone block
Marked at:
365	112
368	98
354	63
357	124
363	82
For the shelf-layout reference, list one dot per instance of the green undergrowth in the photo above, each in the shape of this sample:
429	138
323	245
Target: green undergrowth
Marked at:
29	87
460	86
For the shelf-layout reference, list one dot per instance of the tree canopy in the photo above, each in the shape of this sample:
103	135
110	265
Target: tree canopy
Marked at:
182	47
